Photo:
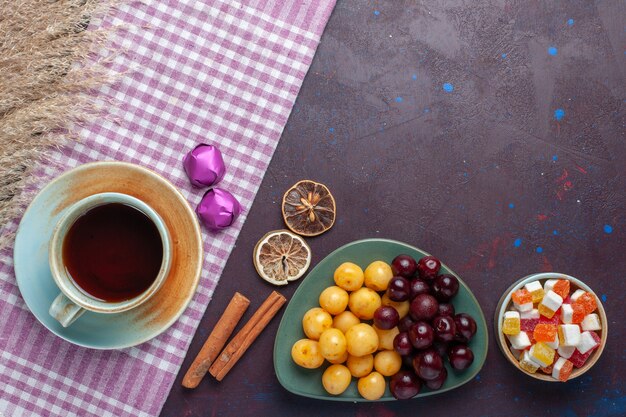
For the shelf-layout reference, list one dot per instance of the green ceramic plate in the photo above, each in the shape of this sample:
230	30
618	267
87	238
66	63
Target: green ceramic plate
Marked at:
307	382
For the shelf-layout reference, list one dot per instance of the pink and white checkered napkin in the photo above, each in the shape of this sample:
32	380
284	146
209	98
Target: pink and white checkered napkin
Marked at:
221	71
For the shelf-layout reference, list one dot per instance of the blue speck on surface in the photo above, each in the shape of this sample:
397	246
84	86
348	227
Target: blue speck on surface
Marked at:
517	243
426	110
608	228
570	22
555	158
552	50
559	114
555	232
376	12
331	129
414	76
539	249
447	87
603	297
478	377
399	99
366	210
511	205
465	174
503	56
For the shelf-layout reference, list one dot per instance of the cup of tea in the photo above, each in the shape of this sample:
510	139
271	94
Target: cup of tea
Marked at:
109	253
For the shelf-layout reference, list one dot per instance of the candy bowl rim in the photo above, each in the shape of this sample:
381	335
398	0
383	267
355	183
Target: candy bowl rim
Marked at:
505	301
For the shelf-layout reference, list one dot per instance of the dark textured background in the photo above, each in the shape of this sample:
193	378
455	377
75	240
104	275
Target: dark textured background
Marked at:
519	169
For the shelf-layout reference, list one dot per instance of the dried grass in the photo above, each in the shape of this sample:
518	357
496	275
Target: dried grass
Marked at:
48	64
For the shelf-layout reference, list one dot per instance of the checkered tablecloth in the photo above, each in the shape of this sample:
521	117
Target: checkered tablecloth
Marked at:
218	71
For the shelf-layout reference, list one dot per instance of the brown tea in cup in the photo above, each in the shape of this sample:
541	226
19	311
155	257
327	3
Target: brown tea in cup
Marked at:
113	252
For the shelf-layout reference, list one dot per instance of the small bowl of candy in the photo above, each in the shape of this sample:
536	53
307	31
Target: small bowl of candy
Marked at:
551	326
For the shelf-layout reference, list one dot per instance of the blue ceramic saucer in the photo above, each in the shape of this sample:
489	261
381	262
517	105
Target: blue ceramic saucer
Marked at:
119	330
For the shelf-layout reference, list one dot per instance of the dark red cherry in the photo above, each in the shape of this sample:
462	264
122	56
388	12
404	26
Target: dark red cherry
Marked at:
386	317
404	265
428	267
435	384
399	289
460	356
424	307
428	364
421	335
465	327
404	385
444	328
402	344
418	286
446	309
445	287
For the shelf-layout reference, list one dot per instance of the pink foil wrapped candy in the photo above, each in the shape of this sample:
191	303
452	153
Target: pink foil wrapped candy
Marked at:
218	209
204	165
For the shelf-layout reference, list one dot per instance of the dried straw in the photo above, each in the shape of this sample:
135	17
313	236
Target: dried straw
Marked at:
48	64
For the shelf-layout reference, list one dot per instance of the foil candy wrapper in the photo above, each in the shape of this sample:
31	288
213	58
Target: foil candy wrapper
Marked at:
218	209
204	165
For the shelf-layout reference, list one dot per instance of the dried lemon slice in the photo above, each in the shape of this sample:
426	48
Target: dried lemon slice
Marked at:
309	208
281	256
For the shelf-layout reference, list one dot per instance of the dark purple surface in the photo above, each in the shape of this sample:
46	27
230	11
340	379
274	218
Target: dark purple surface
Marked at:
490	177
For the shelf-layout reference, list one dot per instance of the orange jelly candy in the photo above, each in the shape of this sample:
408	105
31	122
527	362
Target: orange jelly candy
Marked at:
565	371
588	301
545	332
521	296
578	314
561	287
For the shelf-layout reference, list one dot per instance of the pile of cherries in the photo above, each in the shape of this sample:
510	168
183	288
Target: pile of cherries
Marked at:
431	331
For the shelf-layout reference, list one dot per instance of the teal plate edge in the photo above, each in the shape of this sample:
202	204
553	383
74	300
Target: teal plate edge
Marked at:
362	252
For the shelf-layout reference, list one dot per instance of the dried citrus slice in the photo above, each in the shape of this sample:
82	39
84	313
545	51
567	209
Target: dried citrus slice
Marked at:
309	208
280	257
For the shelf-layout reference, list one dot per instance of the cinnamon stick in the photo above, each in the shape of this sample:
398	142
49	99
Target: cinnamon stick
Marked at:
248	334
216	340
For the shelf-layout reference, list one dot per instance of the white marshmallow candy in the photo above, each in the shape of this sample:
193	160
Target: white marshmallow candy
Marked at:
558	365
522	308
555	343
549	285
569	334
520	341
587	342
567	313
577	294
552	301
532	314
511	315
533	288
591	322
566	351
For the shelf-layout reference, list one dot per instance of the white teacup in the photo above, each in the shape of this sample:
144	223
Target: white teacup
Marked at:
73	301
